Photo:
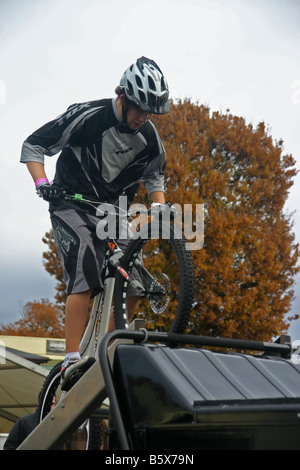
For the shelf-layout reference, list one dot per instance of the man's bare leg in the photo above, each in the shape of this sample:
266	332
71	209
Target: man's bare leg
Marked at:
77	311
132	306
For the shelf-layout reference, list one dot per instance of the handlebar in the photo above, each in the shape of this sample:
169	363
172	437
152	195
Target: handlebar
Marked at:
156	209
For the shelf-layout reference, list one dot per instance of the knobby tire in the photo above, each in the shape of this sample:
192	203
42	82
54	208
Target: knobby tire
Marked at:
169	261
91	440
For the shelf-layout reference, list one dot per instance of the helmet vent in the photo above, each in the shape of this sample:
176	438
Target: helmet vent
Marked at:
142	96
163	84
130	88
151	84
138	81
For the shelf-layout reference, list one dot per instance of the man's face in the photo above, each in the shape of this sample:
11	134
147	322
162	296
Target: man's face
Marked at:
136	117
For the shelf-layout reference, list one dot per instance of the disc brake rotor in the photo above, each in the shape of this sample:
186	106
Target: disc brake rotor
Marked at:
160	293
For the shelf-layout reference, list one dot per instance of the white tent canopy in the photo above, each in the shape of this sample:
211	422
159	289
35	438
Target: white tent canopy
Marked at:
21	380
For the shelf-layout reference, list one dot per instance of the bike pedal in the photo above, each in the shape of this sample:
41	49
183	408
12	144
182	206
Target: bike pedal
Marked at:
77	373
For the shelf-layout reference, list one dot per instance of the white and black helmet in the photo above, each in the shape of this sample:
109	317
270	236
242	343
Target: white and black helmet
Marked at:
145	85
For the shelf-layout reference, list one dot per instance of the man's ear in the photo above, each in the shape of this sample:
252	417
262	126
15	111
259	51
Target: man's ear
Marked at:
123	100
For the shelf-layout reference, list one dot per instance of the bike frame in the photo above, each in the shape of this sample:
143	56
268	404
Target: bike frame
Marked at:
99	318
144	283
102	305
98	322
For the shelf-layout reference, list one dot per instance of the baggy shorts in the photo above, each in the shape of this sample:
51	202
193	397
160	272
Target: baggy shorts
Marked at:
80	250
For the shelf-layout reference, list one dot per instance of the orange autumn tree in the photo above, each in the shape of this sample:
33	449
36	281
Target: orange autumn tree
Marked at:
52	265
38	319
246	268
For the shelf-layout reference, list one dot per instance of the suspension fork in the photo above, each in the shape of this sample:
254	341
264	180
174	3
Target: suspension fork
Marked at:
115	255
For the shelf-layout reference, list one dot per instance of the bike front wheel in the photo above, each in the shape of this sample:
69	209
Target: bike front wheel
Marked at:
162	267
86	437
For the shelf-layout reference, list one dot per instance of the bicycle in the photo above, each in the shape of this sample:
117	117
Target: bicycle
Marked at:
158	265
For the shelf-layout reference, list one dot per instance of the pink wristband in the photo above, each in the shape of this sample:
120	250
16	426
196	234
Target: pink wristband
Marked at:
41	180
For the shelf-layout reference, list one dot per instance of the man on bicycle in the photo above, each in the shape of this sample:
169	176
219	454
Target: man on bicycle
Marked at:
107	148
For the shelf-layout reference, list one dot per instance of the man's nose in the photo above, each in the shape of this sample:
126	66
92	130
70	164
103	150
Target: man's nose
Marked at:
144	116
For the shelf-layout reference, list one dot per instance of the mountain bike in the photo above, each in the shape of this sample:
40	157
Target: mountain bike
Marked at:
157	266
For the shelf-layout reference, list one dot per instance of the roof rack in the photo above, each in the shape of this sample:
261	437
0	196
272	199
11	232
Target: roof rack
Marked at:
97	383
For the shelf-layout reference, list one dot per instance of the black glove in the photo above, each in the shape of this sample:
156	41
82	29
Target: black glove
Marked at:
51	192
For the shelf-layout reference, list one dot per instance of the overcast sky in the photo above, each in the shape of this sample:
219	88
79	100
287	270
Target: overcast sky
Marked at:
223	53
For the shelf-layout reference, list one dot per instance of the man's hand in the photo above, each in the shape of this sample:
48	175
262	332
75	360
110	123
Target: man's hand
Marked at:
158	209
51	192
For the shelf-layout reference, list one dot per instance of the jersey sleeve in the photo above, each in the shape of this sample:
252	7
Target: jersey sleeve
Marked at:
58	133
153	177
